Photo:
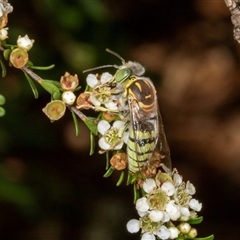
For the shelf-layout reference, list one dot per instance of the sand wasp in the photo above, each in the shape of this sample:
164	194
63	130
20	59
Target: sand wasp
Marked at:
144	123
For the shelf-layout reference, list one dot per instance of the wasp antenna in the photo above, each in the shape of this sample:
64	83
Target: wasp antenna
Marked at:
115	54
104	66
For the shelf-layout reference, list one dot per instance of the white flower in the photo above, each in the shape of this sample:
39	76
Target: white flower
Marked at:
142	205
93	82
5	8
142	214
168	188
164	233
3	34
111	136
185	213
156	215
68	97
25	43
103	126
174	232
195	205
133	226
166	217
148	185
112	106
190	189
148	236
173	210
177	179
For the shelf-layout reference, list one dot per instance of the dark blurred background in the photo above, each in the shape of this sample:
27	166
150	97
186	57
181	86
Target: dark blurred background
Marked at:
50	188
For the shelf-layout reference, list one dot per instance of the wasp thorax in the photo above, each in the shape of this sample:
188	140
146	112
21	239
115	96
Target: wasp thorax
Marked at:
136	68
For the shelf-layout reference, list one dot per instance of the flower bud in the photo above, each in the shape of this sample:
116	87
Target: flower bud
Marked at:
192	233
68	97
184	227
25	43
133	226
3	34
18	58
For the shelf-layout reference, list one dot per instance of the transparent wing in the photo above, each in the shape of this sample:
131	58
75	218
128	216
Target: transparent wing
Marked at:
162	145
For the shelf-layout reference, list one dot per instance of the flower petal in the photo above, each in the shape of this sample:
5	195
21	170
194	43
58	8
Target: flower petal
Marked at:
148	185
103	144
103	126
105	77
91	80
111	106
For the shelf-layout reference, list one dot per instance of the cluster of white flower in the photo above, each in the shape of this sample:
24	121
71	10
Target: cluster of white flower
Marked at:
5	9
105	95
167	199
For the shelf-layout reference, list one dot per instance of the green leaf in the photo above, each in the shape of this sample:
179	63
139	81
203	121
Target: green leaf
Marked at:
120	179
6	54
211	237
135	193
2	99
91	126
54	82
109	172
50	87
32	85
2	112
129	179
56	96
92	144
195	220
42	67
75	124
78	88
4	71
107	160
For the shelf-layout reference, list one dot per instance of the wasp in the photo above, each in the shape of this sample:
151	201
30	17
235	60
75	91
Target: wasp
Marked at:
147	138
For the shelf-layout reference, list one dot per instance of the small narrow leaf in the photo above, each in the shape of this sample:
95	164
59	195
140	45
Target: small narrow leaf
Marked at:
129	179
32	85
4	72
50	87
109	172
92	144
135	193
120	179
91	126
195	220
42	67
54	82
6	54
56	96
211	237
107	160
77	88
75	124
